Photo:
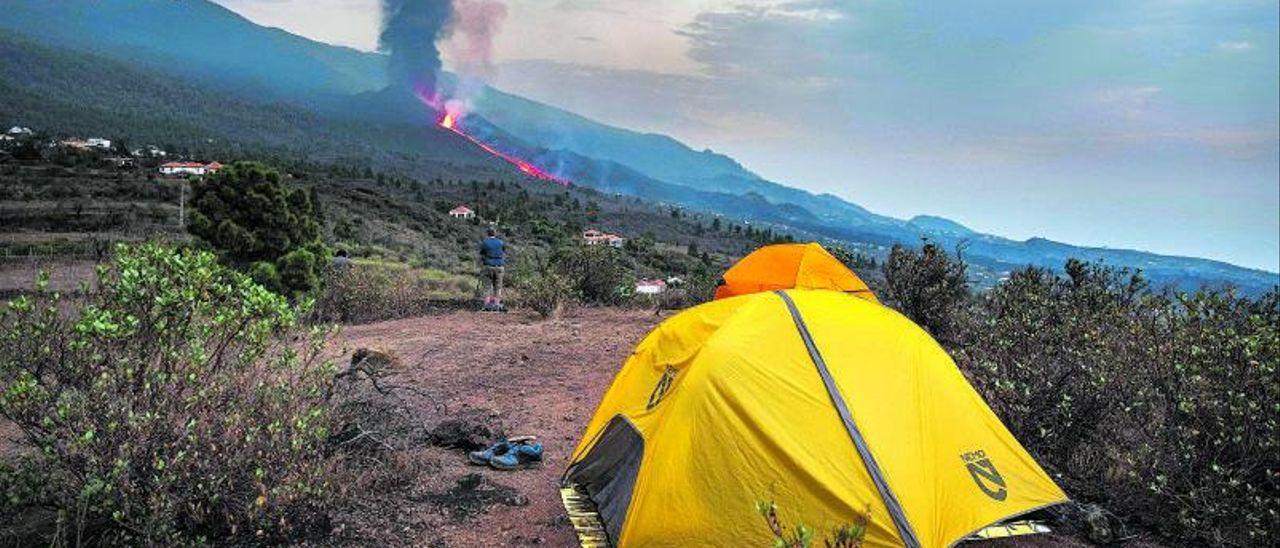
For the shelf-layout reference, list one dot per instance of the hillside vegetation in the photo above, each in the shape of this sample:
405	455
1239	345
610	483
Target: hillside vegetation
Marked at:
322	105
389	219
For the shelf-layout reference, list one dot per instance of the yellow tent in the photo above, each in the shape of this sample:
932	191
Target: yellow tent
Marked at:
828	404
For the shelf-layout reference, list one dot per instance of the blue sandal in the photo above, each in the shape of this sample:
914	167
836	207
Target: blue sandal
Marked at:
486	456
519	455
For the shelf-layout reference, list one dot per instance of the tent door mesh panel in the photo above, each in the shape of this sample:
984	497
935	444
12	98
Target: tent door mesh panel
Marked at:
608	473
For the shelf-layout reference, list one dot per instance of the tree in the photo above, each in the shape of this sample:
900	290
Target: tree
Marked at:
854	260
927	286
249	216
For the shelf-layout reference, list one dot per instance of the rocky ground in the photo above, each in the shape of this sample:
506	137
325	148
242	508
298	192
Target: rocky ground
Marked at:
506	372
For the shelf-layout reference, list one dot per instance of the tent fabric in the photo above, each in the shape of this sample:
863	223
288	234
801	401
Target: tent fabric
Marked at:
608	475
791	266
730	405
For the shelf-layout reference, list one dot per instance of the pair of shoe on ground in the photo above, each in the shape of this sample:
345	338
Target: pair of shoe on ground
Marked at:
509	454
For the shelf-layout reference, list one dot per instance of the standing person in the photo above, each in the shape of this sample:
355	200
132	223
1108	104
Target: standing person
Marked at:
493	259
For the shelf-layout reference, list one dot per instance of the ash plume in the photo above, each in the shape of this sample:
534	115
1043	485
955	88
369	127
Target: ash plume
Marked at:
410	29
471	31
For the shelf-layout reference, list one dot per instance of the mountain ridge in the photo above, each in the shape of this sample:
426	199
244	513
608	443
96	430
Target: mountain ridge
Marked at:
657	166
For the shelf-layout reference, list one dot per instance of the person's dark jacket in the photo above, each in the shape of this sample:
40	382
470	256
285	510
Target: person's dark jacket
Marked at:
493	252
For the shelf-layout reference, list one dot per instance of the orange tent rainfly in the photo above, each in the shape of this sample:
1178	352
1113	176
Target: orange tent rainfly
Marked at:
791	266
822	401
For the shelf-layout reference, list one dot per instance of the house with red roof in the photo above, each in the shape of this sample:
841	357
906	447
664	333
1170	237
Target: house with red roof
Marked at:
462	212
596	237
650	287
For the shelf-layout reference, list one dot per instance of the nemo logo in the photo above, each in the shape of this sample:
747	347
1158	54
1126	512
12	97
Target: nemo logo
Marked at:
985	475
660	391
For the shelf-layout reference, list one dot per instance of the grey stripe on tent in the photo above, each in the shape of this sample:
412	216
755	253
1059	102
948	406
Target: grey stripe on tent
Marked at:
905	532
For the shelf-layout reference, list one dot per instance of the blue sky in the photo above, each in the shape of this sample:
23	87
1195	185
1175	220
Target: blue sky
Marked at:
1140	124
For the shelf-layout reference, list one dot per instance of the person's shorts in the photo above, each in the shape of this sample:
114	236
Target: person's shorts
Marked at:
493	278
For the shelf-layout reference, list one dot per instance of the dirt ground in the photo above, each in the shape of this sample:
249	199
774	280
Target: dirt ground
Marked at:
538	378
66	275
527	377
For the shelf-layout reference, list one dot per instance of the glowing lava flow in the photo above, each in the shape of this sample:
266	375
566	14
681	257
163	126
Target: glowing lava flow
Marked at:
450	123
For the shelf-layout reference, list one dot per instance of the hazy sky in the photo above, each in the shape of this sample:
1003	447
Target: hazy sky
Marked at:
1144	124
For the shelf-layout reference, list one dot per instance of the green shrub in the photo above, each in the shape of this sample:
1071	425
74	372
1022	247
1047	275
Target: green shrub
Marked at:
926	286
369	291
299	270
843	536
545	291
1161	407
177	406
264	274
700	286
599	274
249	215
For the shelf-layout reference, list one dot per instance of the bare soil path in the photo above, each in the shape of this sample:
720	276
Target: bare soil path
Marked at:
532	377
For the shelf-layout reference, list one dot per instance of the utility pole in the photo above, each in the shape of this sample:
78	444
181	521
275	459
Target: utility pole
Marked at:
182	204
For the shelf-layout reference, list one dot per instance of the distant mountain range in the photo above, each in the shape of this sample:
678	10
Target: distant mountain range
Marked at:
205	76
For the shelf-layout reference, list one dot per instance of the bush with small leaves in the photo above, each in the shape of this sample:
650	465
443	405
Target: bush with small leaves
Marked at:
366	291
599	274
849	535
1164	408
545	291
928	287
181	404
299	269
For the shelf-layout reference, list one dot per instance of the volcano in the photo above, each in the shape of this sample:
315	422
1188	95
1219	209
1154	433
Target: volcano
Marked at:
451	121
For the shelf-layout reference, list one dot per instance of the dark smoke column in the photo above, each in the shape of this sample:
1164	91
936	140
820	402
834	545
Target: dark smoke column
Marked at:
409	32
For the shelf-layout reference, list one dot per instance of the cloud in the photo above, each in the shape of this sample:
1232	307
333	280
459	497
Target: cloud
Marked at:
1235	46
777	40
1125	103
1128	95
703	110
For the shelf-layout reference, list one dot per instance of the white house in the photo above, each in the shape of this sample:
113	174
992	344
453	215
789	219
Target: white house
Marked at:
189	168
94	142
596	237
592	237
650	287
462	212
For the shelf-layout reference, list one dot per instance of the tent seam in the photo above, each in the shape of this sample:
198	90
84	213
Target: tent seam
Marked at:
887	497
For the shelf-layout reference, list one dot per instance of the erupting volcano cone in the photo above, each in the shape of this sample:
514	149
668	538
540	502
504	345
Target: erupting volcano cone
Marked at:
448	120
